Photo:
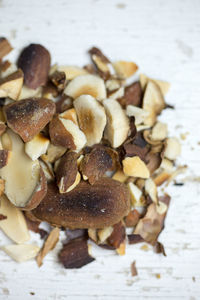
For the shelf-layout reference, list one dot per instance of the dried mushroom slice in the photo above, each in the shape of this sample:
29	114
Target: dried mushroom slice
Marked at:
35	63
29	116
5	47
72	72
172	148
153	102
91	118
134	166
14	226
37	146
163	85
117	127
11	85
125	69
21	253
87	206
138	113
66	134
86	85
25	183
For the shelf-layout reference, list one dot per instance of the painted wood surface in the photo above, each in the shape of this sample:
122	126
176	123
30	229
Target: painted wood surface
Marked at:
163	37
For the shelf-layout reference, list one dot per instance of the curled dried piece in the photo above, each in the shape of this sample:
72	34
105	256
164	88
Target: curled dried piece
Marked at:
87	206
66	172
150	226
5	47
29	116
75	254
95	164
91	117
66	134
11	85
132	95
35	63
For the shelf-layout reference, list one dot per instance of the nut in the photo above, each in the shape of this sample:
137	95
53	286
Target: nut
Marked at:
163	85
70	114
159	132
21	253
120	176
91	117
86	85
172	148
134	166
151	190
104	233
72	72
125	69
29	116
53	153
4	157
35	63
37	146
138	113
132	219
132	95
66	134
117	127
11	85
30	93
136	195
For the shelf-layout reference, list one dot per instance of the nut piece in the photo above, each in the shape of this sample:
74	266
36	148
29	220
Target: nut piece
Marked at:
136	195
5	47
133	218
35	63
14	226
163	85
138	113
75	254
66	171
91	117
87	206
11	85
4	156
172	148
104	233
117	127
25	183
53	153
120	176
70	114
151	190
21	253
134	166
72	71
29	116
37	146
101	62
159	132
153	102
2	127
66	134
30	93
86	85
117	236
125	69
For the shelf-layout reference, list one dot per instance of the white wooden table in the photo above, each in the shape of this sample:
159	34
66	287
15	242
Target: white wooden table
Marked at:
163	37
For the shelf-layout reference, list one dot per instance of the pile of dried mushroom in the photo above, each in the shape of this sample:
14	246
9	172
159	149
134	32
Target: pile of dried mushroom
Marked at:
83	151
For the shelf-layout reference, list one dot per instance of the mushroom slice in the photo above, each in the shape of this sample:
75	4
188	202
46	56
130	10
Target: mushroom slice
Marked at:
125	69
172	148
153	102
25	183
72	71
117	127
138	113
70	114
29	116
11	85
163	85
86	85
91	117
134	166
159	132
14	226
21	252
66	134
37	146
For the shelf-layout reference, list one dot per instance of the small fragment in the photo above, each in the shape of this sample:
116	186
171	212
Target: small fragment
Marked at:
53	153
151	190
101	62
75	254
59	80
159	248
125	69
37	146
134	166
118	235
72	72
135	239
163	85
159	132
121	250
134	269
11	85
138	113
35	61
70	114
4	157
104	233
161	178
136	195
120	176
21	253
132	219
172	148
2	217
5	47
132	95
49	245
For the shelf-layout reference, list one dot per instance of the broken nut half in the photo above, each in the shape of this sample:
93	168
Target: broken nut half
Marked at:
172	148
125	69
138	113
21	253
134	166
11	85
37	146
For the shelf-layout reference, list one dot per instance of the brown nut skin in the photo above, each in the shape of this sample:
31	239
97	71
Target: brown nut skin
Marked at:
29	116
38	194
87	206
35	62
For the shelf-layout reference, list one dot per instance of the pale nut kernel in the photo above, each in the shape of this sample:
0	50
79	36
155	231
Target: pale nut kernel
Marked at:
172	149
134	166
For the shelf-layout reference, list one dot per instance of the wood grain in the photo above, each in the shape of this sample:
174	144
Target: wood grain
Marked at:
162	37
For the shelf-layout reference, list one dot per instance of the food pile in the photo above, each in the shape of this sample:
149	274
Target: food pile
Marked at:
81	149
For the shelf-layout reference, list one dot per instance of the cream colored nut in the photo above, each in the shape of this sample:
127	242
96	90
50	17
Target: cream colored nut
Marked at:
14	226
167	165
104	233
161	208
159	132
48	170
172	149
134	166
53	153
113	84
30	93
120	176
71	72
138	113
86	85
37	146
135	193
151	190
91	117
10	70
163	85
125	69
92	233
11	85
62	186
21	253
117	94
117	127
70	114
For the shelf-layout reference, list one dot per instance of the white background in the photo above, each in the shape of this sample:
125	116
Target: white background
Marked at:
163	37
